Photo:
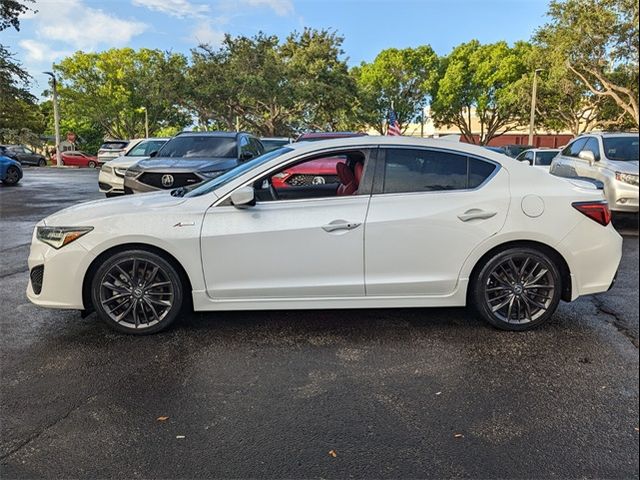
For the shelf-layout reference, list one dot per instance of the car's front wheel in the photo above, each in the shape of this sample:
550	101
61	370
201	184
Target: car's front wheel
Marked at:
137	291
92	164
517	289
12	176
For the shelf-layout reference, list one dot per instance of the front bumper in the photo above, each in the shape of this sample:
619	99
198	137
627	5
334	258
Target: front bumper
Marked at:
622	197
56	276
110	182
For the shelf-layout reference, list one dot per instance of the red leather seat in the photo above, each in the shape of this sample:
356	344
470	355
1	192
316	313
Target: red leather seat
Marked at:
357	170
348	184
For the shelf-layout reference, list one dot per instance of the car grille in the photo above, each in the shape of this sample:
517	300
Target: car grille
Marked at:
179	179
37	274
303	180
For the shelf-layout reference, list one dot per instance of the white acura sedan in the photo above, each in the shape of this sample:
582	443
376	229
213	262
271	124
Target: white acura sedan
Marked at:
407	223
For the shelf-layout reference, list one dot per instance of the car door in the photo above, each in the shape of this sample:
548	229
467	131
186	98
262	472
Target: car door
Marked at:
583	167
288	248
429	209
565	165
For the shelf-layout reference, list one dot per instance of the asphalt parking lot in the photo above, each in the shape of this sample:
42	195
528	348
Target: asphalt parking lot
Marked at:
371	393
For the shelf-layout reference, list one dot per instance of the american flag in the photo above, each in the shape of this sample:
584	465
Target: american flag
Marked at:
394	126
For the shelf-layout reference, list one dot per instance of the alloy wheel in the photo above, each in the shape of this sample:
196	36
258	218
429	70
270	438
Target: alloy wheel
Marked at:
12	176
519	289
136	293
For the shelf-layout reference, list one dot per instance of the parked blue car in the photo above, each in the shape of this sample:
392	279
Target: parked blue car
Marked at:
10	171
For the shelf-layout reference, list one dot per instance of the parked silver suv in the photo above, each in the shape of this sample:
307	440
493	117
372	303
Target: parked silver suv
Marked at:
611	158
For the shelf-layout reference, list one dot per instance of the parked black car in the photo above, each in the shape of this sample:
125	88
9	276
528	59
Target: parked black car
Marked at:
23	155
190	158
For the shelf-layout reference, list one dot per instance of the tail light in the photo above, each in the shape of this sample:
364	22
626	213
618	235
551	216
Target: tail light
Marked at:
596	211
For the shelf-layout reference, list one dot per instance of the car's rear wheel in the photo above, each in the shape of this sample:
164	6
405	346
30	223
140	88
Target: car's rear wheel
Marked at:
137	291
42	162
92	164
12	176
517	289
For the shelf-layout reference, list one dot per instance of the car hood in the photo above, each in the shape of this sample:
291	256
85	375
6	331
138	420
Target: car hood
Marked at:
161	164
85	214
124	162
624	167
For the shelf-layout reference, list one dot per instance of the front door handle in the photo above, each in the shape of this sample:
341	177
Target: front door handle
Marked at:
476	214
340	225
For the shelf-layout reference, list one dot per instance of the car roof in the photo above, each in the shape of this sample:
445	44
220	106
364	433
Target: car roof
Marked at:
609	134
304	136
401	141
220	134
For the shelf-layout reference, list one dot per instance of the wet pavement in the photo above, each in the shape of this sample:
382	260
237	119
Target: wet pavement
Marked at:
369	393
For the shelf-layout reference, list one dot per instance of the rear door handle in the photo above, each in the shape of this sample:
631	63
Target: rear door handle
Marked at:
476	214
340	225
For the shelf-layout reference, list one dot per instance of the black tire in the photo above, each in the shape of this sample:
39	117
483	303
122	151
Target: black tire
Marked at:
91	164
141	288
12	176
527	279
42	162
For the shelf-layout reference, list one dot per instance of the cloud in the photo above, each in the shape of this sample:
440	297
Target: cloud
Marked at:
205	33
37	52
281	7
83	27
175	8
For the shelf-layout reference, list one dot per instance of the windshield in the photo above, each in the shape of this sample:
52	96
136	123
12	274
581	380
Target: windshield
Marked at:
621	149
545	158
193	146
144	148
234	173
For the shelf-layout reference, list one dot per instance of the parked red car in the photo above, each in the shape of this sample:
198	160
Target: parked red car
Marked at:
318	172
79	159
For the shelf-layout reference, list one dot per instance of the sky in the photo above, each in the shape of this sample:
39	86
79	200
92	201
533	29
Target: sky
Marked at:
61	27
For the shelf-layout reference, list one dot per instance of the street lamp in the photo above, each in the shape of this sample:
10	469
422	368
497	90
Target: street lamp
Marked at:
534	92
56	116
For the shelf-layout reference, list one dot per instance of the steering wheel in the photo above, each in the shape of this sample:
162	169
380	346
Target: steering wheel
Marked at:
272	191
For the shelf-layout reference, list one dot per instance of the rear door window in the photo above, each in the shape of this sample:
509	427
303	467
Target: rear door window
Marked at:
418	170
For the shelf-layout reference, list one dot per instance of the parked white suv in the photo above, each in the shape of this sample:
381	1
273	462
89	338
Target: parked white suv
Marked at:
611	158
111	178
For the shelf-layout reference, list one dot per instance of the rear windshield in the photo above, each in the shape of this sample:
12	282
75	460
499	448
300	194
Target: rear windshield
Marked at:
114	145
199	147
545	158
621	149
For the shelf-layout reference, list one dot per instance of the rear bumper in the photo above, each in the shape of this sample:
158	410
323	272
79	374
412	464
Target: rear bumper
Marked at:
593	253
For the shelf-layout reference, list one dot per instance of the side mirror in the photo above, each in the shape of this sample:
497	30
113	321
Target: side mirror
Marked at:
243	197
246	156
153	154
588	156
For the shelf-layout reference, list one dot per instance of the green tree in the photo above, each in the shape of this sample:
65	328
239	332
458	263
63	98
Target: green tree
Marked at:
108	89
598	40
19	114
402	78
271	87
478	83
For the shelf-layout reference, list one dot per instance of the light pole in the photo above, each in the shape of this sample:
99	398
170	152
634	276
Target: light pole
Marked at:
534	92
146	122
56	116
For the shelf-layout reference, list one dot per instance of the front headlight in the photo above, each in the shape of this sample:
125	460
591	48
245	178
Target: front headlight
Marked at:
58	237
106	168
210	175
121	172
132	173
629	178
